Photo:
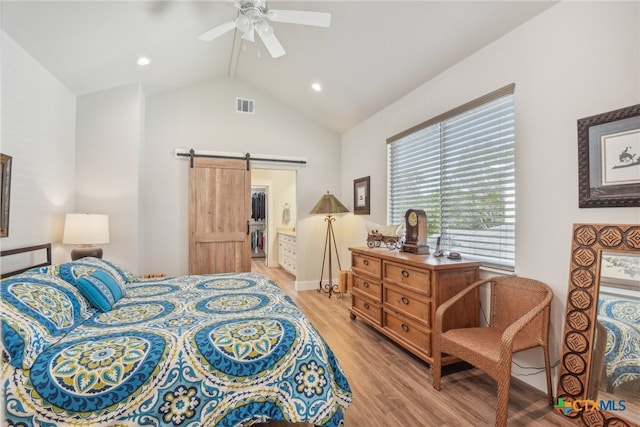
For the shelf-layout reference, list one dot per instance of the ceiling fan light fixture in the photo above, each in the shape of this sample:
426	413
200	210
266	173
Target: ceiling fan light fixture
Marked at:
254	16
249	35
243	23
264	29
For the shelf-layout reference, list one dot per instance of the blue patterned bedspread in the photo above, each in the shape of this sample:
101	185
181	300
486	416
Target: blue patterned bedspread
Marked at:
621	318
217	350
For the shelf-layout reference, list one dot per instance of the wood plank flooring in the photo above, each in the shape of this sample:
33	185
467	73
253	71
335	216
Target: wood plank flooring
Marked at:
392	388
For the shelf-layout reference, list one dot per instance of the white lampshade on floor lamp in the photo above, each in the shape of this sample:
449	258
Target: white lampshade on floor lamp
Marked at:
86	231
329	205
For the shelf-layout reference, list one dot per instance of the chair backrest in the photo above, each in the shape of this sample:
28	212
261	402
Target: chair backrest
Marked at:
513	297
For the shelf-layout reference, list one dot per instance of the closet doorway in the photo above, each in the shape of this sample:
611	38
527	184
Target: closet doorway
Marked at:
275	192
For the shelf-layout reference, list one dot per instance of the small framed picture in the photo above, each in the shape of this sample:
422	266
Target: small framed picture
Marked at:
5	189
609	159
361	199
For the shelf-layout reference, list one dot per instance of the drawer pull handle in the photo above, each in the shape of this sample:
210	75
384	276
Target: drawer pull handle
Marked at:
405	327
404	300
365	284
366	306
405	273
365	262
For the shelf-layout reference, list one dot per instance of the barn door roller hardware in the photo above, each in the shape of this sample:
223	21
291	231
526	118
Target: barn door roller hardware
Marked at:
191	154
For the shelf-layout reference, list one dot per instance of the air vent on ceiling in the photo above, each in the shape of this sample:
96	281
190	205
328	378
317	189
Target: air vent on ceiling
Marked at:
245	105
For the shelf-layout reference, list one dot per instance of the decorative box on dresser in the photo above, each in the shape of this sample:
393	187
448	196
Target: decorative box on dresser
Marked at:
398	294
287	251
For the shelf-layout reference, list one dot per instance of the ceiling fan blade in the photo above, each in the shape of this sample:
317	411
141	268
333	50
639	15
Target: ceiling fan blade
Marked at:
217	31
273	45
317	19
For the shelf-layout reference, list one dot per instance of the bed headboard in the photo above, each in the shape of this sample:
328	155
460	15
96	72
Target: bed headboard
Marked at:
21	266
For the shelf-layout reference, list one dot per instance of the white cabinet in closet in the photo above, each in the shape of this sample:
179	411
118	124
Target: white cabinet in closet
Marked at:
287	251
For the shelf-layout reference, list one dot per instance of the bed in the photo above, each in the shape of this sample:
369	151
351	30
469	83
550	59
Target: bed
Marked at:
621	319
86	343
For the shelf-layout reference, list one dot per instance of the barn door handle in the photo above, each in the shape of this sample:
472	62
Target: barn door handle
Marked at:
247	227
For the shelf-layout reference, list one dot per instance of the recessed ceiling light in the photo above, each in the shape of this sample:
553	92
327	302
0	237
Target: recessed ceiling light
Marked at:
143	60
316	86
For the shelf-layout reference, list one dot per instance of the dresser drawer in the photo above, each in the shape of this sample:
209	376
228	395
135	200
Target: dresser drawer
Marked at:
412	277
408	303
284	238
364	307
370	265
370	287
407	332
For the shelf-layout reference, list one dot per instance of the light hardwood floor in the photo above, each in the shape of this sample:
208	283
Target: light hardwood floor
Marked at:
392	388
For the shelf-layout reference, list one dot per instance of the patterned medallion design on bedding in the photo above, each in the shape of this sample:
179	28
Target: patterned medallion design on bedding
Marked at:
226	284
91	375
130	314
37	310
150	290
232	303
49	303
212	350
245	347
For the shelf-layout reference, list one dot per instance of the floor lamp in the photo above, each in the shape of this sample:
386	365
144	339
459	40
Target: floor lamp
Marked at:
329	205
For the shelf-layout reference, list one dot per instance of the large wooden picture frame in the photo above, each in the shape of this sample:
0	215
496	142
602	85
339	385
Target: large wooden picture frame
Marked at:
609	159
5	192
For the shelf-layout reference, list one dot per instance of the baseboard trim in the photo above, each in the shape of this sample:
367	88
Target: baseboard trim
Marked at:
309	285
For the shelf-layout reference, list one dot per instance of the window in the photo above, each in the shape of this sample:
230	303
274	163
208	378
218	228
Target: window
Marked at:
459	167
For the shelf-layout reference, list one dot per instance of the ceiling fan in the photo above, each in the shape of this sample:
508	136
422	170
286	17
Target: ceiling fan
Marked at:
253	16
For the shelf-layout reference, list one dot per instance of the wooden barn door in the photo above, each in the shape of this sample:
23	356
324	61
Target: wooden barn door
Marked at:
219	211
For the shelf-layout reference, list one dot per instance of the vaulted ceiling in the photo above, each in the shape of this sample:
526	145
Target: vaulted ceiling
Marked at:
373	53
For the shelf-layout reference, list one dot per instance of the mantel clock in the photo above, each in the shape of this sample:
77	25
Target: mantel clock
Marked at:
415	240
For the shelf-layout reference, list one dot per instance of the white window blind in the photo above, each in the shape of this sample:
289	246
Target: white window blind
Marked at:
460	168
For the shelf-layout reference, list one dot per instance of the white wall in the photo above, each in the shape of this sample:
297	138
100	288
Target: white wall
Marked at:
575	60
203	117
38	131
110	130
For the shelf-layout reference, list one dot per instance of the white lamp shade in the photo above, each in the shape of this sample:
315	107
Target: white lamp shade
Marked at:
86	229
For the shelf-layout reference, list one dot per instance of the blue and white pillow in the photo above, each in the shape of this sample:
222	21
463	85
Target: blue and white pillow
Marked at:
101	289
72	271
36	311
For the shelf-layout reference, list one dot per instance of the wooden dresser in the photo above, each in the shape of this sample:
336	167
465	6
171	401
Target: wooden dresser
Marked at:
398	293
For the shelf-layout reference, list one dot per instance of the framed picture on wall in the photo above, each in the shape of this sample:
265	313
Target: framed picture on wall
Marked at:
361	200
5	191
609	159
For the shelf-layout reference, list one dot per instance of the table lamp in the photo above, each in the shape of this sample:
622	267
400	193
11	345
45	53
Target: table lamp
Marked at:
86	231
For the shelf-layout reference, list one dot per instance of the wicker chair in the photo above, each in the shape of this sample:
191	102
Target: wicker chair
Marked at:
519	320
